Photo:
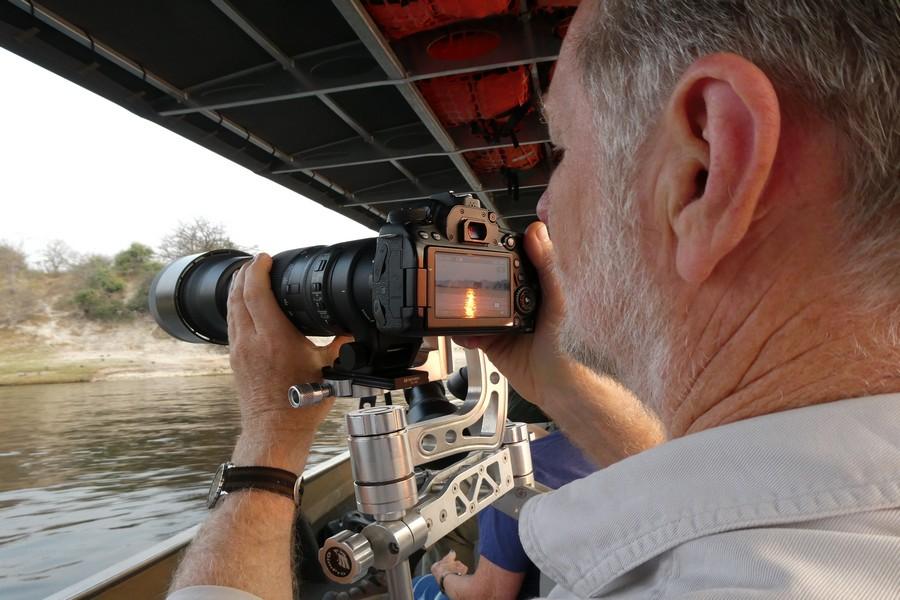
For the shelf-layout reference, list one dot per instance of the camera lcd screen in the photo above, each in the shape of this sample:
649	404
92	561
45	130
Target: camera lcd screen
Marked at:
471	286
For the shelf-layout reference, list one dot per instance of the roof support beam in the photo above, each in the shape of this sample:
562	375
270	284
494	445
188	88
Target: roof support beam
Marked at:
358	19
354	151
525	16
398	190
288	65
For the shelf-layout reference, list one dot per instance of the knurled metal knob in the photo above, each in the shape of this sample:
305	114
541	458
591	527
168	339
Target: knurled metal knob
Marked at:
346	557
306	394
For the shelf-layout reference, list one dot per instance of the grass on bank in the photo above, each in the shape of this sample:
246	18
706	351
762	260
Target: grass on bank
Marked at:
23	360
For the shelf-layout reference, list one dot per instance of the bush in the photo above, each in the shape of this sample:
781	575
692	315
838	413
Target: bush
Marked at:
139	302
105	280
100	293
100	305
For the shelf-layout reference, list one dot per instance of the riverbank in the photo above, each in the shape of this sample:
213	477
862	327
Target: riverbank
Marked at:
59	348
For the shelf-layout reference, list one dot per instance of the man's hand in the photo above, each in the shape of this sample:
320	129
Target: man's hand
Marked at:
448	565
268	355
532	363
246	542
596	413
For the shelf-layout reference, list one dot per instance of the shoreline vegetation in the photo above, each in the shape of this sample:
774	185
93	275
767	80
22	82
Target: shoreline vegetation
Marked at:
68	317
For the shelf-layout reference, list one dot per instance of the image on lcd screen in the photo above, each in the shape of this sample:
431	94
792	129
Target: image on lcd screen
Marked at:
470	286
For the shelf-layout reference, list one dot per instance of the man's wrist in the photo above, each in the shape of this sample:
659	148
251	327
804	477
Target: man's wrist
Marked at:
277	503
270	449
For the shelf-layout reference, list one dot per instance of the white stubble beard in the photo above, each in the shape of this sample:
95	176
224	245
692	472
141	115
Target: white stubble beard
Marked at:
614	321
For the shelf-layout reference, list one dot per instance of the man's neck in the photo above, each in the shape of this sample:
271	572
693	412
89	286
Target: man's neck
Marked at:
785	346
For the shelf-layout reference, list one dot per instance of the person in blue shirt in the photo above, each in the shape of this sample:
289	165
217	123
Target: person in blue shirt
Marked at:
504	571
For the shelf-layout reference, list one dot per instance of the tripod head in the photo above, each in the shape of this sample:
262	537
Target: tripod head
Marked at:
474	459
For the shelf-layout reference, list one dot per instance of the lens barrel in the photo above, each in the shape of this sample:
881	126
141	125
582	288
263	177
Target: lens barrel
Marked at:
323	290
188	297
326	290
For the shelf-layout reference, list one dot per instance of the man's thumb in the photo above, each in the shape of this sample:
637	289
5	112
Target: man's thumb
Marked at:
540	251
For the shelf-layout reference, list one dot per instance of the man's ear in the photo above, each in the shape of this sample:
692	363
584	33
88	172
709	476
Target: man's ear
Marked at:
722	127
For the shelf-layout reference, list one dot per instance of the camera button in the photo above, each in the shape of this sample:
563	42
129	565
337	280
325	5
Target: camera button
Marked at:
435	236
423	235
525	300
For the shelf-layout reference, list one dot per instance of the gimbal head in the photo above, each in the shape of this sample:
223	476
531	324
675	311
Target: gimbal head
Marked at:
488	459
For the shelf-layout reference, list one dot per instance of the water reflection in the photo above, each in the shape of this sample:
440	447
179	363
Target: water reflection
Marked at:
92	473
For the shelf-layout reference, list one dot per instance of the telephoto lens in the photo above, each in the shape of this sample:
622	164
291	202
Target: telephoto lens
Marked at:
188	298
323	290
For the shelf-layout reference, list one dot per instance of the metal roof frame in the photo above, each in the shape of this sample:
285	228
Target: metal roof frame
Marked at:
137	70
360	21
525	41
521	44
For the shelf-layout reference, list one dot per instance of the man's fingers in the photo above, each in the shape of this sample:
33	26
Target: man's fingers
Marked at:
238	316
258	296
332	349
540	251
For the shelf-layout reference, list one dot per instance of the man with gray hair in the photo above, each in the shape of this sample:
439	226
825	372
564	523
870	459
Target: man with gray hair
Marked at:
725	221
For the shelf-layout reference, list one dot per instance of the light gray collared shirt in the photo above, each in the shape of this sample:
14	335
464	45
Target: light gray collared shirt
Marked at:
797	504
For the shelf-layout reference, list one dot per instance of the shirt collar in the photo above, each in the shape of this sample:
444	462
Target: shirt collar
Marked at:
798	465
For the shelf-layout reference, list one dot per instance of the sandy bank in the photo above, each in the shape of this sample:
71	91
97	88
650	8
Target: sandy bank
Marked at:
60	348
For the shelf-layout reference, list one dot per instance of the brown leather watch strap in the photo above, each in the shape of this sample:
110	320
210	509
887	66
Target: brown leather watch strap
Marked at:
270	479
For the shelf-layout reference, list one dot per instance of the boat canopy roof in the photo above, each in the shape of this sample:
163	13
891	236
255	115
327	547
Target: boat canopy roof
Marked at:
359	105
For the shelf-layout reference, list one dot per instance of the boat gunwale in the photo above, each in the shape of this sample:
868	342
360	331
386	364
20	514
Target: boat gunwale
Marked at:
133	565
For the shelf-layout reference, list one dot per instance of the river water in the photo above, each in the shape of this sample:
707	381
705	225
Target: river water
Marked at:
91	473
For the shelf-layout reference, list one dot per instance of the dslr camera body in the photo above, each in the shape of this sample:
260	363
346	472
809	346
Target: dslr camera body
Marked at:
443	268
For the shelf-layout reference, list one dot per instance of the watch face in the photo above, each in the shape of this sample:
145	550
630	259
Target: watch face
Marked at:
215	489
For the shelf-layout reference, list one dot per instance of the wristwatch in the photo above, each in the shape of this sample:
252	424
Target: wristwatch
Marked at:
229	478
441	582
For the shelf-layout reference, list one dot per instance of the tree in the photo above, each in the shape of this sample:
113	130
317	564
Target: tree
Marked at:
58	256
190	238
17	298
136	259
13	261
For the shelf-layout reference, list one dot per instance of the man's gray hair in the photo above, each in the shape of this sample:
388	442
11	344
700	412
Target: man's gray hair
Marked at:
837	59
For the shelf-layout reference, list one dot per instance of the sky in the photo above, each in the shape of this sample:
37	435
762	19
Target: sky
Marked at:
76	167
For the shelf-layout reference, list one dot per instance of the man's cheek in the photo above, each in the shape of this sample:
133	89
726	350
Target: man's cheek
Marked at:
563	255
